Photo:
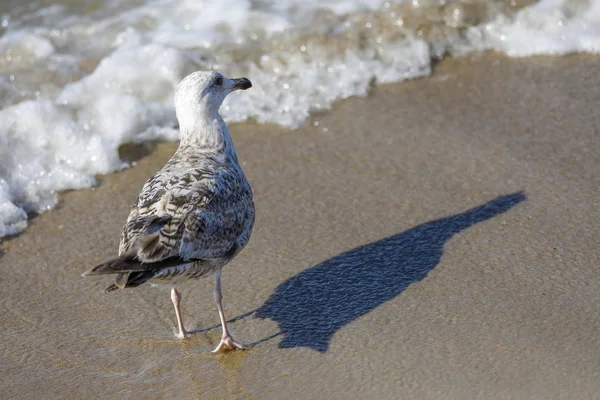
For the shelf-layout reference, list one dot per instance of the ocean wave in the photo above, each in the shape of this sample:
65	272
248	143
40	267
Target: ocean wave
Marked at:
79	81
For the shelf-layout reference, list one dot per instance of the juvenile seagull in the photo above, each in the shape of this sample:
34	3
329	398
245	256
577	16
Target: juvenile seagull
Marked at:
196	214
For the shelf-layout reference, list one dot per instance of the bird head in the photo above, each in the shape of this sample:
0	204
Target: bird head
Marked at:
202	92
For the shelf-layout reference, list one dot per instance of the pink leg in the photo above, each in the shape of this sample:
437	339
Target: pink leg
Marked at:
175	298
227	342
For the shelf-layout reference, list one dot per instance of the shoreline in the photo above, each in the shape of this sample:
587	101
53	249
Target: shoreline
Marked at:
504	306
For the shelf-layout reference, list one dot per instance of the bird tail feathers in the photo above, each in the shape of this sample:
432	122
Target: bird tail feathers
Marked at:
116	266
126	265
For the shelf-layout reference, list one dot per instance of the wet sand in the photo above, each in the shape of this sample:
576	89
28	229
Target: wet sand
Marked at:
438	239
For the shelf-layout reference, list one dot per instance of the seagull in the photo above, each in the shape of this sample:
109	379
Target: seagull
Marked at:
195	214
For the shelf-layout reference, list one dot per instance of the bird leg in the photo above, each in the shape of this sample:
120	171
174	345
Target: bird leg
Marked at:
175	298
227	342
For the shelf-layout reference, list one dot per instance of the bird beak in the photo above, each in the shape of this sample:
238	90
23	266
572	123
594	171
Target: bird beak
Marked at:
241	83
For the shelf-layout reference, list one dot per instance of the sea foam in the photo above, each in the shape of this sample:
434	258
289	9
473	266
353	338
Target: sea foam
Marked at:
76	83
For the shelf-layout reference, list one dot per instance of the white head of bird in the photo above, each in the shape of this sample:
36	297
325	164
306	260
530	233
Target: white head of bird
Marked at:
197	101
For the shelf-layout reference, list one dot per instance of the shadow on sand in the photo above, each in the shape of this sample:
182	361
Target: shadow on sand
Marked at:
311	306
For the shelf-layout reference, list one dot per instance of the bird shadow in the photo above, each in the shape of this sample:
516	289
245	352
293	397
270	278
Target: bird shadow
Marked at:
313	305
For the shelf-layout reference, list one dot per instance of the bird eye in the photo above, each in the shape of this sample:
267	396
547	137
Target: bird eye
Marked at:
219	81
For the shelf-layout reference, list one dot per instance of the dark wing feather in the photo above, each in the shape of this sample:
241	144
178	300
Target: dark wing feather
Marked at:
130	279
120	265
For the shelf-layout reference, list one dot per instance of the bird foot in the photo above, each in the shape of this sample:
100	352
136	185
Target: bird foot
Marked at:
227	343
182	335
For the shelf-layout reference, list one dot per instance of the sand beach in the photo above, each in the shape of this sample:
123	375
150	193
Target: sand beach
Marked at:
435	239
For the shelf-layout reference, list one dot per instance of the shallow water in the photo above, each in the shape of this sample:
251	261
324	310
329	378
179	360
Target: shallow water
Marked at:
80	79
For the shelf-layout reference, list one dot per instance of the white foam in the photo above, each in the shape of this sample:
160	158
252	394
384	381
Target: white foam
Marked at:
288	87
77	85
52	145
550	27
13	219
24	46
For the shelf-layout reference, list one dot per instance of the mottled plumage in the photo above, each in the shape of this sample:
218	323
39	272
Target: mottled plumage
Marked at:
196	214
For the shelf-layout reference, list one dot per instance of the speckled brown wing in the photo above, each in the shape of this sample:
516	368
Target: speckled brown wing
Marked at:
199	216
157	233
214	231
